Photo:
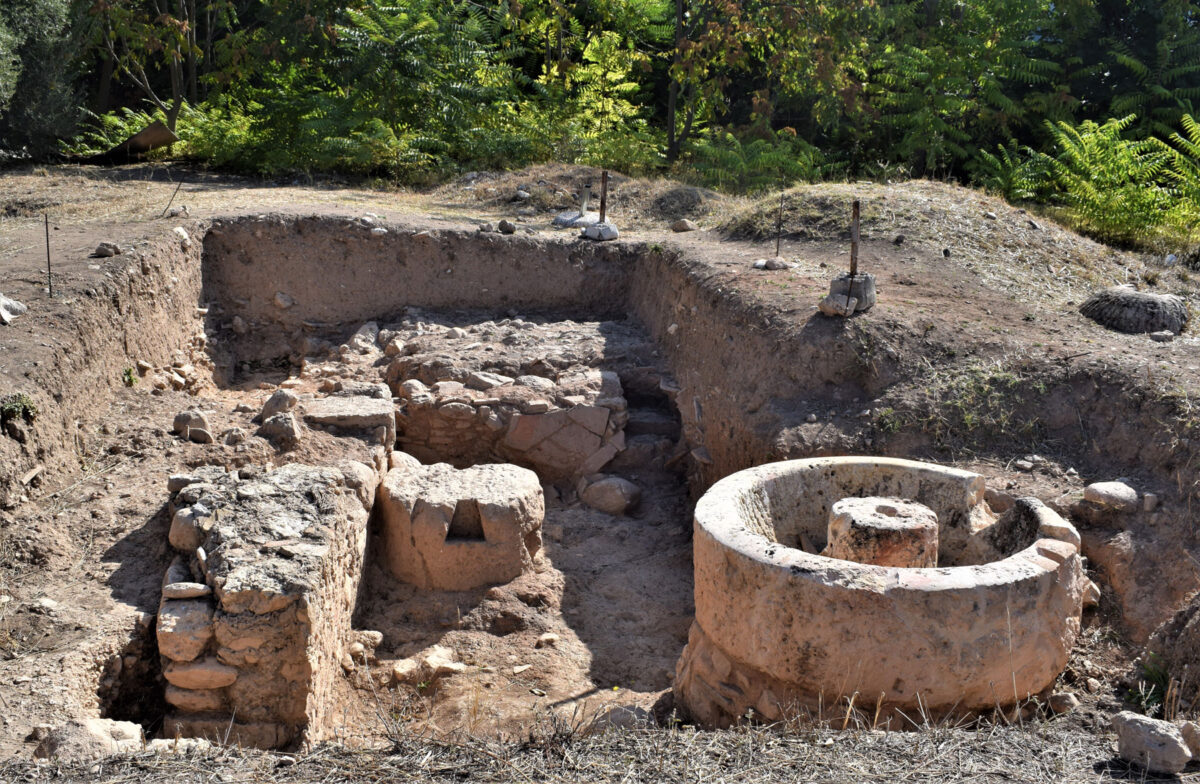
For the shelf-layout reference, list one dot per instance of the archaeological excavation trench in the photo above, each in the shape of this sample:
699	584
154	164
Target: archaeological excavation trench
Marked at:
481	439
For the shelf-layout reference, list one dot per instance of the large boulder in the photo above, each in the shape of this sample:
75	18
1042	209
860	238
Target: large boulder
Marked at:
1126	309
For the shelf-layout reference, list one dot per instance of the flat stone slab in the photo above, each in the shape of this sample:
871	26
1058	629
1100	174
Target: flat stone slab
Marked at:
353	412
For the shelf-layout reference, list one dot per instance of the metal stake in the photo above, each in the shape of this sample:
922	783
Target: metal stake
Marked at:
173	195
49	277
603	194
779	224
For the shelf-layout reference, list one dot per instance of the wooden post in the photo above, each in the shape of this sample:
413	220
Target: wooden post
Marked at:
49	277
603	194
854	241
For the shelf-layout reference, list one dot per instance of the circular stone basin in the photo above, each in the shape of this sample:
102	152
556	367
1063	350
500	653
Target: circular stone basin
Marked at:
779	629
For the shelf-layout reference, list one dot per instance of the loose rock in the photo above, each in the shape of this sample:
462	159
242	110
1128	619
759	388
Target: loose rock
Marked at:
612	495
1116	495
601	232
10	309
683	224
1063	702
280	402
1155	745
281	429
193	425
107	249
837	305
90	739
507	227
1125	309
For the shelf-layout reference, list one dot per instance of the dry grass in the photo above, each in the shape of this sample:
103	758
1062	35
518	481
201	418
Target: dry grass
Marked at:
749	755
1006	253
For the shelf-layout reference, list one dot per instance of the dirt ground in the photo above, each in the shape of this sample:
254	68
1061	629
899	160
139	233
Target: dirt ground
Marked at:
975	356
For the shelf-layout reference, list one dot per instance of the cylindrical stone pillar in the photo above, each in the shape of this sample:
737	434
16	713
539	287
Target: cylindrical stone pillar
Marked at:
883	532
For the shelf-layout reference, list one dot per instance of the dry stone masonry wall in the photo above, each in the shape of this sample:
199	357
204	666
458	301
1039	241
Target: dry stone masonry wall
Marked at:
257	607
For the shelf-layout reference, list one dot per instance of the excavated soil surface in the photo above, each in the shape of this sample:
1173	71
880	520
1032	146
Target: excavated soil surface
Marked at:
977	359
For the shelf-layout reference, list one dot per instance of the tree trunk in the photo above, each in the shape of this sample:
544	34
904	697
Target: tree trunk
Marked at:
674	143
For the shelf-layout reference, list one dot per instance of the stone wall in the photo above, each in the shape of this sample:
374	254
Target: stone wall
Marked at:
256	610
562	430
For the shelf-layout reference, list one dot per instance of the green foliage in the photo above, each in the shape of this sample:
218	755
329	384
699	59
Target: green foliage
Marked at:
1016	174
129	377
1113	185
39	89
723	160
18	406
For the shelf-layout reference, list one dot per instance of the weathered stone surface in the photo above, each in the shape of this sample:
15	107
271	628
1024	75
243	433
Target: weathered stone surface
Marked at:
683	224
612	495
483	380
364	338
193	425
1063	702
90	739
448	529
1190	731
163	746
1154	744
837	305
861	289
189	528
204	674
883	531
195	700
407	671
184	628
282	429
1125	309
556	428
601	231
1115	495
281	401
10	309
353	413
284	557
906	626
441	662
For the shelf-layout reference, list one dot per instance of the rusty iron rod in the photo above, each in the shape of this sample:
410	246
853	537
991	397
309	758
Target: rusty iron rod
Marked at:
172	201
49	277
603	195
779	224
